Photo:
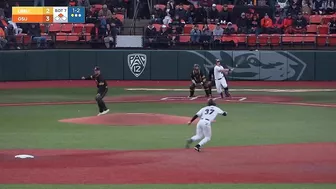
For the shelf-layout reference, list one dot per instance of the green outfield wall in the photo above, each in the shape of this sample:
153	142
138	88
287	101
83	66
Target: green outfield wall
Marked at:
165	65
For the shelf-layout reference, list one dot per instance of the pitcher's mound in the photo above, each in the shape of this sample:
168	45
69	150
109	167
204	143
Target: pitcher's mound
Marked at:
130	119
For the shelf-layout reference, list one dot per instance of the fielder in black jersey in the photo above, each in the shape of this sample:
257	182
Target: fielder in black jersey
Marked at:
101	90
198	79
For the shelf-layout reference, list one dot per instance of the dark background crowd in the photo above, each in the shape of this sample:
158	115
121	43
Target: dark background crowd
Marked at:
203	21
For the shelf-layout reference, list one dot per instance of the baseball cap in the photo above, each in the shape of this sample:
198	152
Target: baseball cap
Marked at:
217	60
96	68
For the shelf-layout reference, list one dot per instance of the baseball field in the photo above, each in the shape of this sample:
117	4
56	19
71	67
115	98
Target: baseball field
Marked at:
277	135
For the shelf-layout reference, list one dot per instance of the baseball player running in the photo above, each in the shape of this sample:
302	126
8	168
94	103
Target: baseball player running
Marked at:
102	90
220	80
203	128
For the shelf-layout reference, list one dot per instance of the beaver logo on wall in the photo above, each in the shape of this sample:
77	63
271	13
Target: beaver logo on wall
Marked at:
249	65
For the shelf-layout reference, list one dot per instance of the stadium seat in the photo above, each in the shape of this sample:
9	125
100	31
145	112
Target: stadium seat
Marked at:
184	38
212	26
230	8
27	39
43	28
19	38
61	36
157	27
326	19
323	29
298	38
241	38
315	19
88	28
73	37
275	39
78	28
187	28
287	39
309	38
121	17
251	40
321	40
219	8
312	28
162	7
332	40
87	36
263	39
55	28
66	28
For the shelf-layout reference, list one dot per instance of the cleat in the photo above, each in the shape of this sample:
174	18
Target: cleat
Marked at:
197	148
191	96
101	113
189	141
105	112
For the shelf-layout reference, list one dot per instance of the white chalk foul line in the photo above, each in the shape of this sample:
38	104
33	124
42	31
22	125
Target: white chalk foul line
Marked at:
242	99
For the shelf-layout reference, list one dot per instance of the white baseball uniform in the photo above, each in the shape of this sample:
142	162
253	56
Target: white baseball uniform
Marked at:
203	129
220	80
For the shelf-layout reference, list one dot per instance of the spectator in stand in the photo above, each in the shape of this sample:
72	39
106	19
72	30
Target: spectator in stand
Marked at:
116	22
109	38
84	3
288	22
177	23
206	4
195	34
150	35
200	15
218	33
181	13
157	15
97	34
206	36
3	40
278	24
213	15
3	22
164	37
293	10
242	24
225	15
266	24
229	30
35	32
170	10
330	6
306	7
300	24
280	11
254	25
191	14
167	19
10	36
332	25
319	7
105	15
39	3
117	6
175	36
72	3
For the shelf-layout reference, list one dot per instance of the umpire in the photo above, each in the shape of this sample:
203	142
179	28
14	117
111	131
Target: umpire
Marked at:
102	90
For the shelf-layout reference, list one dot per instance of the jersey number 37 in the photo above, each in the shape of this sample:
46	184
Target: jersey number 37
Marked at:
208	111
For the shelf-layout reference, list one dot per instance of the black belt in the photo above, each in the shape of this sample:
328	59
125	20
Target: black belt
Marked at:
206	119
219	78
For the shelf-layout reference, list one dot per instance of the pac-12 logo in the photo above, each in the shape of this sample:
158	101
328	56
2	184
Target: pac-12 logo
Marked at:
137	63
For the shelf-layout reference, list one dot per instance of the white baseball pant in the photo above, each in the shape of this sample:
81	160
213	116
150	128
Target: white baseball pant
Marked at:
220	84
203	130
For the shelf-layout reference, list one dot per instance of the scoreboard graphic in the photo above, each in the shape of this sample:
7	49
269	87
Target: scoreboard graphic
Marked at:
48	14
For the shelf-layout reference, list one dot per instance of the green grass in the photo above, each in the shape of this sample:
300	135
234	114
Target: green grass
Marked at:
247	124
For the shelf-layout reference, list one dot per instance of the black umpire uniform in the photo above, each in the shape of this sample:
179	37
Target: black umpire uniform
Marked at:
101	89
